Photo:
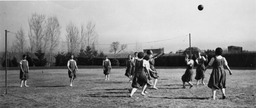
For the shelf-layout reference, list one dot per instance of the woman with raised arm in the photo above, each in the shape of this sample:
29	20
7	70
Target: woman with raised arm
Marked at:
140	78
153	73
200	68
187	76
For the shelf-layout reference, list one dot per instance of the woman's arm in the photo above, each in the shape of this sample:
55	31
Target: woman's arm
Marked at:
151	70
28	65
226	65
110	64
197	61
68	65
187	61
158	55
190	62
76	65
204	58
21	66
209	64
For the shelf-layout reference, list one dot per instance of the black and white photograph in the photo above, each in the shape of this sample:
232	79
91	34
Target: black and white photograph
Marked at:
128	53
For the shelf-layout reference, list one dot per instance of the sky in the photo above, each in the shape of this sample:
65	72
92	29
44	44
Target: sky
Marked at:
143	24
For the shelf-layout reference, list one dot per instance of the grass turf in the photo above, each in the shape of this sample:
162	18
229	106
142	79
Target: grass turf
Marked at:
50	88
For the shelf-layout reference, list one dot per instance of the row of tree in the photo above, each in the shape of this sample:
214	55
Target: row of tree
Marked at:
43	38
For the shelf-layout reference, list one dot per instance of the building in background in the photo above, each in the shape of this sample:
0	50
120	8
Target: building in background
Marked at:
155	51
235	49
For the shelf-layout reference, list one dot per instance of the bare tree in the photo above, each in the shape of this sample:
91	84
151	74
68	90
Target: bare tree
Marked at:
52	34
123	47
72	38
45	42
114	47
91	34
88	35
36	29
20	43
83	38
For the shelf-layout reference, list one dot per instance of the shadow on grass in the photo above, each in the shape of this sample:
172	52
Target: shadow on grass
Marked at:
109	82
169	88
52	86
106	95
111	89
111	92
122	92
180	85
183	97
11	87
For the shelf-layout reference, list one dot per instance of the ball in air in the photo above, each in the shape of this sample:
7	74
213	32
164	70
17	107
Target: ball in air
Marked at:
200	7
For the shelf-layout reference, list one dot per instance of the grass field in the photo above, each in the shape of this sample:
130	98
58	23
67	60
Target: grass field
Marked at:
49	88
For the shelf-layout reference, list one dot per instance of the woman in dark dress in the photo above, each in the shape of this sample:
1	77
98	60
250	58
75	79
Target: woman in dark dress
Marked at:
153	73
72	69
200	68
106	67
24	68
187	76
140	78
218	76
129	67
133	61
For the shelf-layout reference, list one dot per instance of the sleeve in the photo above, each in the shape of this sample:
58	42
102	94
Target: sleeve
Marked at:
197	60
109	63
75	63
190	62
21	62
144	63
225	61
204	58
211	62
68	63
133	63
27	64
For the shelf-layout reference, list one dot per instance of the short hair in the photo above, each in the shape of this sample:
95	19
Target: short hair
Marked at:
149	52
140	55
146	57
24	56
218	51
135	53
129	56
193	57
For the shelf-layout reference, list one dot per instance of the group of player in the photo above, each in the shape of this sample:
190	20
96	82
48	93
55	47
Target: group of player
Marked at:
141	71
218	75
